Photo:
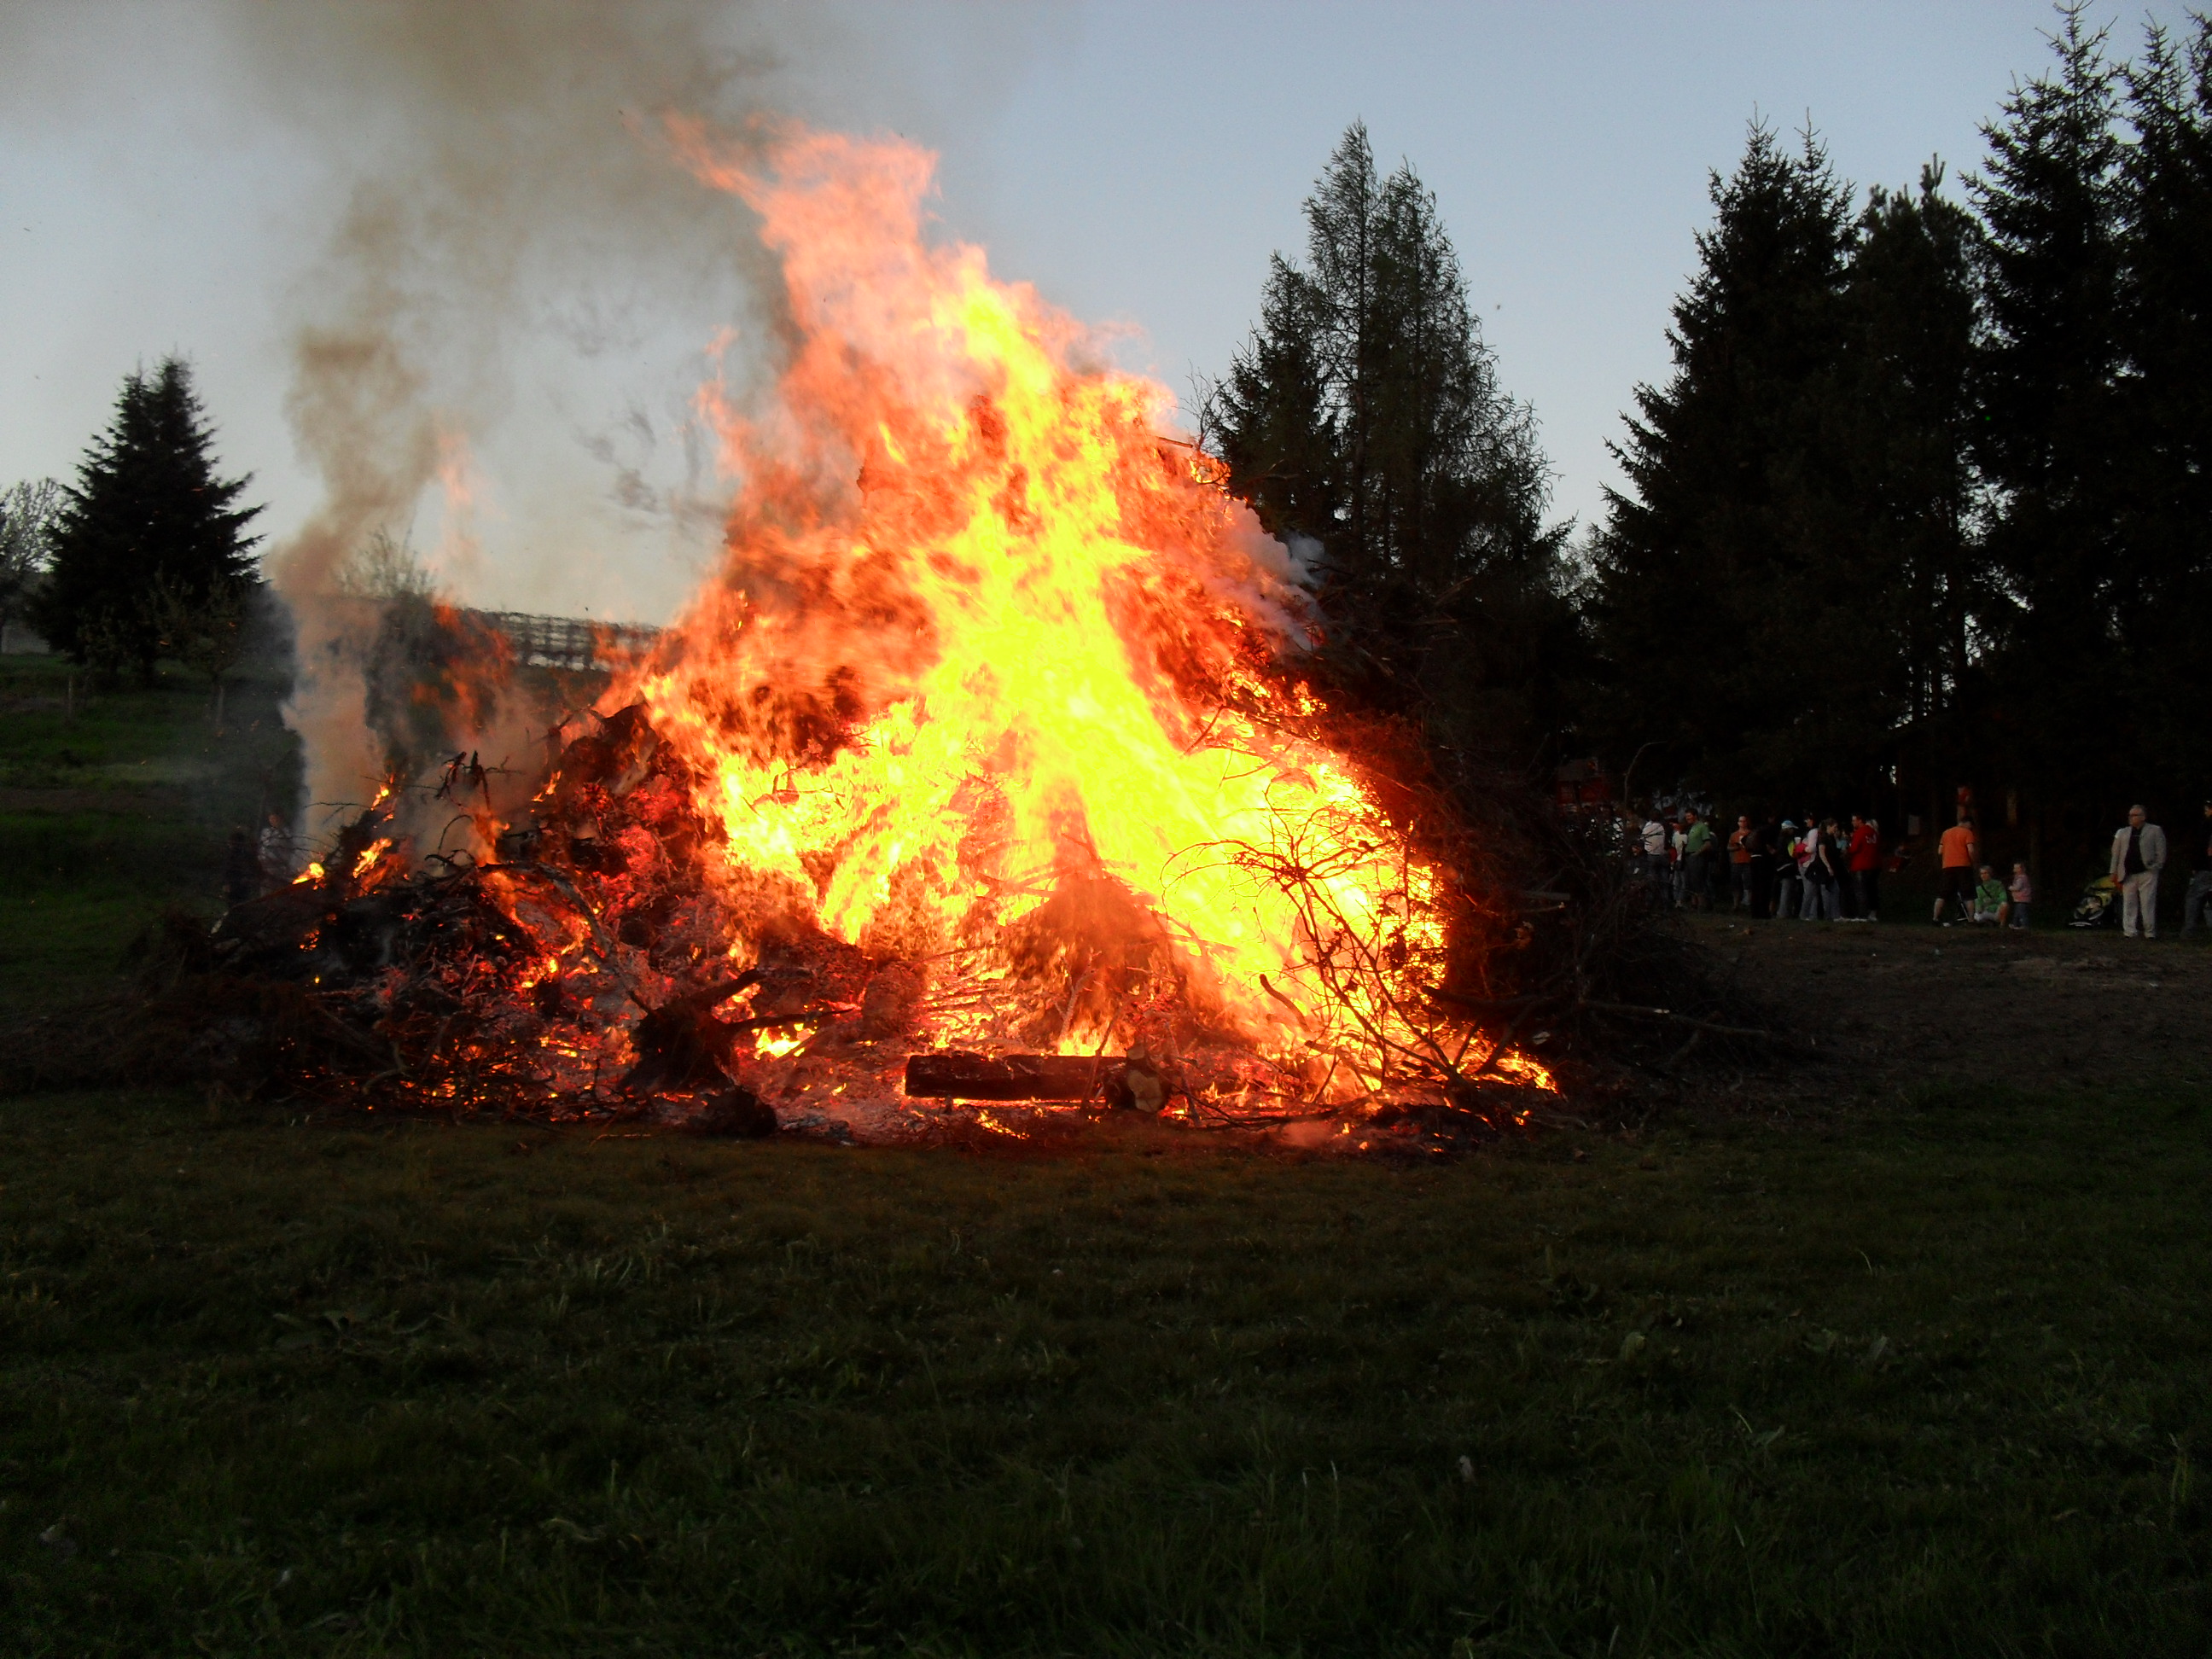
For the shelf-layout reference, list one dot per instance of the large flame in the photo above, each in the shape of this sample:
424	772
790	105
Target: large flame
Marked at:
987	649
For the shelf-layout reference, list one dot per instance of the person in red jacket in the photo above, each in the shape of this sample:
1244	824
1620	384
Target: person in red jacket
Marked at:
1864	853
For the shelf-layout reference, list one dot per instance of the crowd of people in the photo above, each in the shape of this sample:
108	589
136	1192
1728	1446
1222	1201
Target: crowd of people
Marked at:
1812	868
1816	869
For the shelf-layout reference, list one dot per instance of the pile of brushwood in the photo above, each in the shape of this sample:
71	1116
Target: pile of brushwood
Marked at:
428	982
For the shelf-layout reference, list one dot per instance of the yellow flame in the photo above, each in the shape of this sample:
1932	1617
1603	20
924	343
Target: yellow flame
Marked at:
1030	648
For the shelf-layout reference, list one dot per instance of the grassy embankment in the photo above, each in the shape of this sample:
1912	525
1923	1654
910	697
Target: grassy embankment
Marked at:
1926	1375
112	811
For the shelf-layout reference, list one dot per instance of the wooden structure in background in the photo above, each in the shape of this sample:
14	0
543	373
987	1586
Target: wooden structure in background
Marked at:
569	643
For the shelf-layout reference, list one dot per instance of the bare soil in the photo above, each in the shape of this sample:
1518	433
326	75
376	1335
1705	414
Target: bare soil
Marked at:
1902	1003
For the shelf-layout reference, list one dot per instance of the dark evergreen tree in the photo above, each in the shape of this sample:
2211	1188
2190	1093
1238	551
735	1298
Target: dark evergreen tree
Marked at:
148	527
2049	444
1730	604
1906	418
2166	469
1364	421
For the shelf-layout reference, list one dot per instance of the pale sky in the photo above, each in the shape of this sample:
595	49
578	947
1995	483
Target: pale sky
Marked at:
1136	161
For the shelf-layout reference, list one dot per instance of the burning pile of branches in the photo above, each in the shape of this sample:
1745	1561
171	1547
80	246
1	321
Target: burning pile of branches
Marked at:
982	773
607	959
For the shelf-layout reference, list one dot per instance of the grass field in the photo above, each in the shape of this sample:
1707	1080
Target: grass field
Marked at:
115	802
1894	1372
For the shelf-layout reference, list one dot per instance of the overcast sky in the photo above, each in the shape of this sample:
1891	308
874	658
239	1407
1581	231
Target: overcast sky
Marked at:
168	184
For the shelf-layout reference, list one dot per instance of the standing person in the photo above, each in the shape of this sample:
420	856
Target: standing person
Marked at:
1742	848
1808	846
1762	864
2138	855
1696	858
1655	852
2023	894
1960	853
1680	869
2198	899
1864	856
1785	872
1823	875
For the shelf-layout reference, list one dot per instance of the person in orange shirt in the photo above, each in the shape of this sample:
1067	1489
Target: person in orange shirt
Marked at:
1961	853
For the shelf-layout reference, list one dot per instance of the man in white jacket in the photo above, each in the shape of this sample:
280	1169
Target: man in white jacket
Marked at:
2138	855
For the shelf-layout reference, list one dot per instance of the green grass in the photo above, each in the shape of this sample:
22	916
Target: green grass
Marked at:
127	736
1915	1377
1931	1381
117	808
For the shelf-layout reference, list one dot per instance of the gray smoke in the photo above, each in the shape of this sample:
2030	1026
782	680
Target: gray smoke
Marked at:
505	239
504	183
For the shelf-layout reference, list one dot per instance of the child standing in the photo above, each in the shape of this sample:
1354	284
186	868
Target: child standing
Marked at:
2023	890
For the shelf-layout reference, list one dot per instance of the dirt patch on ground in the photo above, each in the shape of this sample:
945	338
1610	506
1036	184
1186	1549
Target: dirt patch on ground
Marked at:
1900	1004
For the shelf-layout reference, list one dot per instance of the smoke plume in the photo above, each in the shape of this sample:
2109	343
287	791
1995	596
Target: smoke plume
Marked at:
503	182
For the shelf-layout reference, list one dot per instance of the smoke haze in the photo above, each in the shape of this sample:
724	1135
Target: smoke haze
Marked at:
505	185
511	239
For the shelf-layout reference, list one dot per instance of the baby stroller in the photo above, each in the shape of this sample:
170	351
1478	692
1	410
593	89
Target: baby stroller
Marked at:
2099	906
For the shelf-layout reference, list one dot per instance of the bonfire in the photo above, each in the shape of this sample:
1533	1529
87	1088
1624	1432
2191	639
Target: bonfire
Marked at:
981	777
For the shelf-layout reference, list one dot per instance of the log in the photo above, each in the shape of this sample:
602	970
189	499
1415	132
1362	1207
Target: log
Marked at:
956	1076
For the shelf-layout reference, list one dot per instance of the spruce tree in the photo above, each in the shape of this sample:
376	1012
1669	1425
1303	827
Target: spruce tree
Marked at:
1906	414
2049	443
1364	421
1730	614
2164	514
148	527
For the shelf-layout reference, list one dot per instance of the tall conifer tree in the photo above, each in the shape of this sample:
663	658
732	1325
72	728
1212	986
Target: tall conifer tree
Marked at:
1906	422
1364	420
2048	440
2166	334
1731	623
147	518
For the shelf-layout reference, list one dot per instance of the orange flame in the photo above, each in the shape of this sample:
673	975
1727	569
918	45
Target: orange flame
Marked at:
984	639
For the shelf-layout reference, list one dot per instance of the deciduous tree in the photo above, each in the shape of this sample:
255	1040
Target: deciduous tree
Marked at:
28	512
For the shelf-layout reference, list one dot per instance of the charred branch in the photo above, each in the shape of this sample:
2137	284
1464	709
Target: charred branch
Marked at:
1121	1082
